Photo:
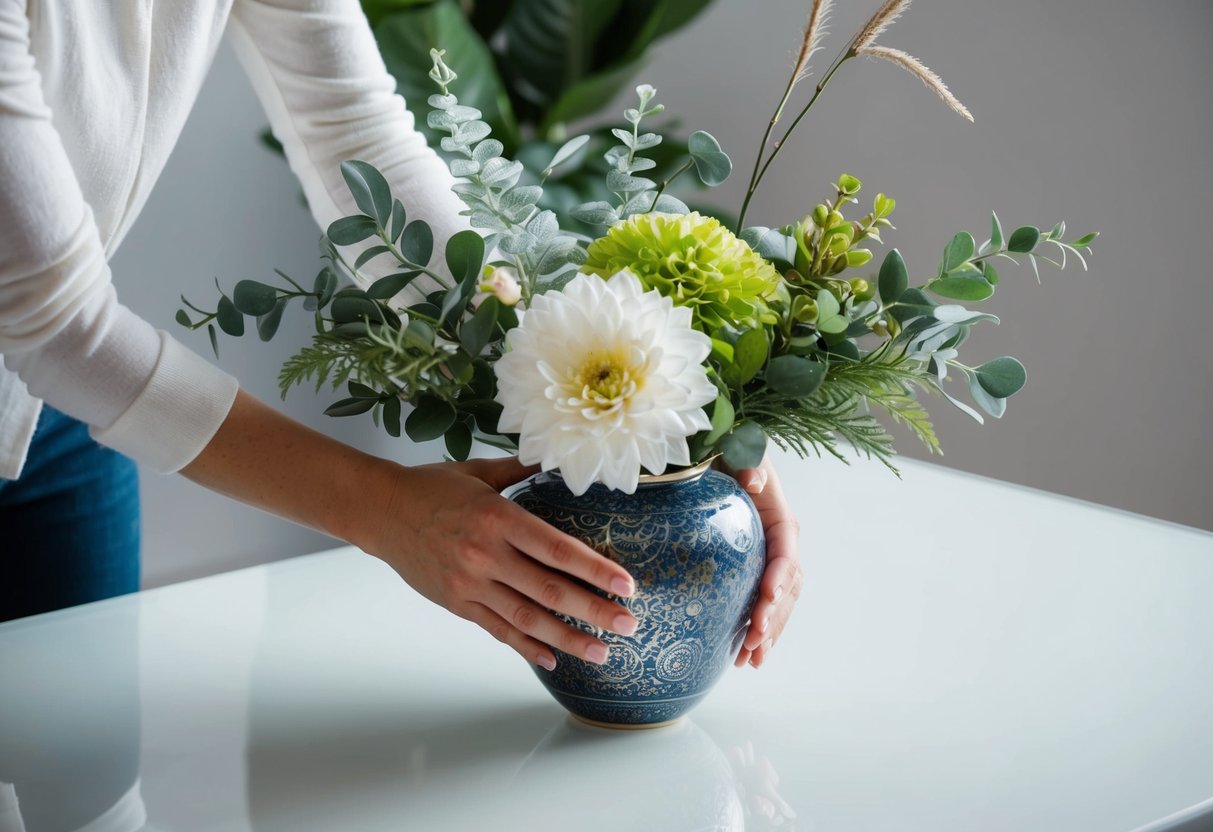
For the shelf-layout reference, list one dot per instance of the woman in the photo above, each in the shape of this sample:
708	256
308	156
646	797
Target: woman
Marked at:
92	99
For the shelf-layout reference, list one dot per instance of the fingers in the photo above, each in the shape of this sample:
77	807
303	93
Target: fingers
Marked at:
500	473
561	595
533	651
558	550
778	620
776	582
533	621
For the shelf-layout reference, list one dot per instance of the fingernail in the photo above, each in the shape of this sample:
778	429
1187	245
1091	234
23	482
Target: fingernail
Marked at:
547	662
778	593
622	587
597	653
624	624
766	625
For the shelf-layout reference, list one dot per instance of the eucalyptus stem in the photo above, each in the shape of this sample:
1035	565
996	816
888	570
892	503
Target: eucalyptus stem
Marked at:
666	182
404	261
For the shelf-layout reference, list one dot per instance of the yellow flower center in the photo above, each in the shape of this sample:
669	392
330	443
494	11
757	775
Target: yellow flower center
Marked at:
603	383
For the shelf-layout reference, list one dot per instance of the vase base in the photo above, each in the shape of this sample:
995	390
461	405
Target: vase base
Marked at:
626	726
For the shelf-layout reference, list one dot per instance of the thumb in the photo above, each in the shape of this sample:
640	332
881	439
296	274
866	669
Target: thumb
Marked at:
503	472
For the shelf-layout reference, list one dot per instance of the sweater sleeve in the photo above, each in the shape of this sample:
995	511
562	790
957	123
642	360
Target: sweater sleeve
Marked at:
317	70
62	330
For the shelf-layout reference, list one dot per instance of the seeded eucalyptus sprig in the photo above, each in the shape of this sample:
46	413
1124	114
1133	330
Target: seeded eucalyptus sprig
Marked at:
488	185
636	194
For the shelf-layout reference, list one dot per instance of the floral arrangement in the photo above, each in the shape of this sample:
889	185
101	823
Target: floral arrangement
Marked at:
666	339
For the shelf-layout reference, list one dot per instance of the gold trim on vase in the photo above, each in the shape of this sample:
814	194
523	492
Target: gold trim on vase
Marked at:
679	474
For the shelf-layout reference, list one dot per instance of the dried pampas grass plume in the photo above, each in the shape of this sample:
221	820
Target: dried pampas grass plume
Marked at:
915	67
813	33
883	19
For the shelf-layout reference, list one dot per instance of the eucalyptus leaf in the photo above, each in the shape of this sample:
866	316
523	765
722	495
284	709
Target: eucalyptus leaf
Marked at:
465	255
962	288
389	286
267	324
749	354
254	298
210	331
350	230
723	414
349	407
431	418
793	376
369	189
958	251
229	318
893	278
369	255
477	330
711	163
399	215
417	243
992	405
1002	377
1024	239
566	152
183	318
392	416
458	439
744	446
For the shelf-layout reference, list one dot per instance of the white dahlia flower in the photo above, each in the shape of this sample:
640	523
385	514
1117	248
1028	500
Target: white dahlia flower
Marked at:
602	378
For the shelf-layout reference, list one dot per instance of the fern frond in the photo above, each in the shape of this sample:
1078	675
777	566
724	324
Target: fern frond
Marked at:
386	360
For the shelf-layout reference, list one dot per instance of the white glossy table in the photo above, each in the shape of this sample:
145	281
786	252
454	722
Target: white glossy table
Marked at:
1041	664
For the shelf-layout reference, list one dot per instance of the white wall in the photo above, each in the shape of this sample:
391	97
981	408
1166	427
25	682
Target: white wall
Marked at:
1094	111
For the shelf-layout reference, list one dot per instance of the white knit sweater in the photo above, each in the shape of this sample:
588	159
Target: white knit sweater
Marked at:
93	95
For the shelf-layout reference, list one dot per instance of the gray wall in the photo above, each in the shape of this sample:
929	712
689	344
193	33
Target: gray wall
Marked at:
1092	111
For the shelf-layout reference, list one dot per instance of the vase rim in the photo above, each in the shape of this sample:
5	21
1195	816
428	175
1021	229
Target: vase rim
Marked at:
679	475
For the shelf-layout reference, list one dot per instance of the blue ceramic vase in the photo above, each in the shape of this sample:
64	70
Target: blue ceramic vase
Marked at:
693	543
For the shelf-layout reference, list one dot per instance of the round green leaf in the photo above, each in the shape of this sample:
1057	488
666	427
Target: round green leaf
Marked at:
267	324
958	251
229	318
1024	239
711	163
348	309
391	285
791	375
962	288
183	318
893	278
391	416
349	230
417	244
430	419
397	223
349	407
253	298
459	441
465	255
370	190
325	286
744	446
1002	377
723	414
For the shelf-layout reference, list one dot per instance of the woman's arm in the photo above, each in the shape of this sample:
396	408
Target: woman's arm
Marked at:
62	329
317	71
443	528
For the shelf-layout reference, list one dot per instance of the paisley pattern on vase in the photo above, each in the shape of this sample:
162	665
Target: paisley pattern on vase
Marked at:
696	550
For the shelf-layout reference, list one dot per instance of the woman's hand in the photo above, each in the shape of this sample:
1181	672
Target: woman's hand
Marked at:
782	581
443	528
455	540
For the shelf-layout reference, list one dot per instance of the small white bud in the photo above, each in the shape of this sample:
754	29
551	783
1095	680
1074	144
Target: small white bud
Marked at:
502	283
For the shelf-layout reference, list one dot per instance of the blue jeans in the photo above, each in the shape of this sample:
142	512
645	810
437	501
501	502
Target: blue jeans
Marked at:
69	525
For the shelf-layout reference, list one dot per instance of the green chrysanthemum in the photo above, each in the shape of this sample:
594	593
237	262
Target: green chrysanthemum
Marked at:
693	260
